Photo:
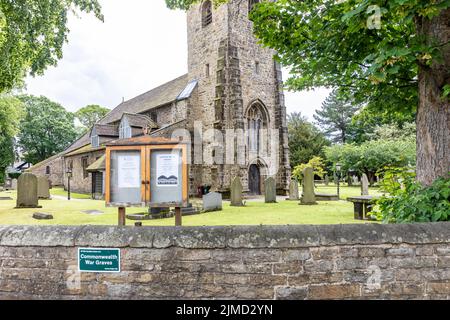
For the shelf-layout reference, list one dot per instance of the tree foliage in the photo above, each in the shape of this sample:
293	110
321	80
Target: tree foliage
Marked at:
373	156
305	140
317	163
407	201
91	114
343	44
32	34
10	113
335	117
46	129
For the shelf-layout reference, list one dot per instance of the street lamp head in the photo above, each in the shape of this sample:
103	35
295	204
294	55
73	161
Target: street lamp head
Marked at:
69	172
338	167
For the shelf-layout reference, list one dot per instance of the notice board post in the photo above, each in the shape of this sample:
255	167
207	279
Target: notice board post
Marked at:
147	172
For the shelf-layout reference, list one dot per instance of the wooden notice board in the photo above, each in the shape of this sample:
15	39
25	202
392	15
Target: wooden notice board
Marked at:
146	172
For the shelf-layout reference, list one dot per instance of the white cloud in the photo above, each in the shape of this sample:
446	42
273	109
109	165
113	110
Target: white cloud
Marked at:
141	44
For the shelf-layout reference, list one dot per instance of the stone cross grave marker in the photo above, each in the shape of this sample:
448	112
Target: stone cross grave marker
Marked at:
27	191
293	190
212	202
308	195
236	193
43	188
270	190
364	185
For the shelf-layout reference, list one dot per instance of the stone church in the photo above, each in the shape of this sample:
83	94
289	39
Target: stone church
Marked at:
233	85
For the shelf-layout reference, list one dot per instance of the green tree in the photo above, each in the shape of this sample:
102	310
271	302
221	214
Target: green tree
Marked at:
10	113
393	55
316	163
32	34
335	117
305	140
46	129
91	114
372	157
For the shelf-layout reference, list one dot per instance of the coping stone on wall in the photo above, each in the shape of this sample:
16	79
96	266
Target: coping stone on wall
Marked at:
224	237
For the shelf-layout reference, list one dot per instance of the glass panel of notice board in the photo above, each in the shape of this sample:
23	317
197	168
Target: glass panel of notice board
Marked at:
166	176
126	179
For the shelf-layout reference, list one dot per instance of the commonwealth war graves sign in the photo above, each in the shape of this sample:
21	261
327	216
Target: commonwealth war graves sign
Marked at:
98	260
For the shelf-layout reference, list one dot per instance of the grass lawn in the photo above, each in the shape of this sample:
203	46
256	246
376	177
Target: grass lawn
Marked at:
254	213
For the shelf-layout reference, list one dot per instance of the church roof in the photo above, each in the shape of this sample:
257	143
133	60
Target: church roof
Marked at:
156	97
140	121
159	96
106	130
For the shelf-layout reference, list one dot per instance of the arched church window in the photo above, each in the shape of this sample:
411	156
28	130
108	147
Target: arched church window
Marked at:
251	4
206	13
257	124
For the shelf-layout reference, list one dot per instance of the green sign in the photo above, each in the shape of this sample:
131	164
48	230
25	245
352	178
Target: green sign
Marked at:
98	260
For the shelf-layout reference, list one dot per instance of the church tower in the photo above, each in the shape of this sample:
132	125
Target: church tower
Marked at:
239	90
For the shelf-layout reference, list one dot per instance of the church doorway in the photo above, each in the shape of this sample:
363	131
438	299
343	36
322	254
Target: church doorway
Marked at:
254	180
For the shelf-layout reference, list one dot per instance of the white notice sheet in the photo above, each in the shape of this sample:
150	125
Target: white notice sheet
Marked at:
129	171
167	166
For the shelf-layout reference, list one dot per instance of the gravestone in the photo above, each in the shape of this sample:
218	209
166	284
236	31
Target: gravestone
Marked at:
212	202
43	188
327	180
27	191
236	193
270	190
355	180
14	184
364	185
293	190
308	195
42	216
7	185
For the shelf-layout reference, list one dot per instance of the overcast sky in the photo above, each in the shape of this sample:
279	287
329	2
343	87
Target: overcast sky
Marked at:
141	45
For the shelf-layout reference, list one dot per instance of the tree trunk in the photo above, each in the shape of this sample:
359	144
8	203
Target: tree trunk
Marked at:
433	114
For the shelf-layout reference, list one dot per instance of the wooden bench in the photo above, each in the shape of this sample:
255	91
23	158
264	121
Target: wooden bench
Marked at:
362	206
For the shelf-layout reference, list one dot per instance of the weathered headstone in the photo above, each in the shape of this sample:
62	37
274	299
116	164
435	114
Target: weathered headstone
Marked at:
355	180
293	190
212	202
42	216
236	193
43	188
14	184
364	185
327	180
7	185
270	190
27	191
308	195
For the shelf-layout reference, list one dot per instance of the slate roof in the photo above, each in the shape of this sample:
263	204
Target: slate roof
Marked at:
106	130
159	96
99	165
140	121
156	97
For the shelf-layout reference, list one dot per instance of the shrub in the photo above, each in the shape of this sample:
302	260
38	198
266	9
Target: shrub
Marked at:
408	201
14	175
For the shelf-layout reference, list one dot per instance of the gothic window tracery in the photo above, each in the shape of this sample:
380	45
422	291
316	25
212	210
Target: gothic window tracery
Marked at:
206	13
257	124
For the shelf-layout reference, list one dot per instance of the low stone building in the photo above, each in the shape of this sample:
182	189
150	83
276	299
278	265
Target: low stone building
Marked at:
231	100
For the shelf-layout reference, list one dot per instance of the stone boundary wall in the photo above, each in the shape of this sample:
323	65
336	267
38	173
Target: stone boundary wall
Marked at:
369	261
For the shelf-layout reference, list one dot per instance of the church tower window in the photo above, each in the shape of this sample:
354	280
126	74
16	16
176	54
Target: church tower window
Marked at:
206	13
257	122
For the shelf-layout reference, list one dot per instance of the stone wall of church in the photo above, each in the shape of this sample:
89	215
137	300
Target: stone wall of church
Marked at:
240	72
80	183
56	167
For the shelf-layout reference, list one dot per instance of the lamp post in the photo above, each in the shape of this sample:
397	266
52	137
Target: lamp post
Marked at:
338	171
69	175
